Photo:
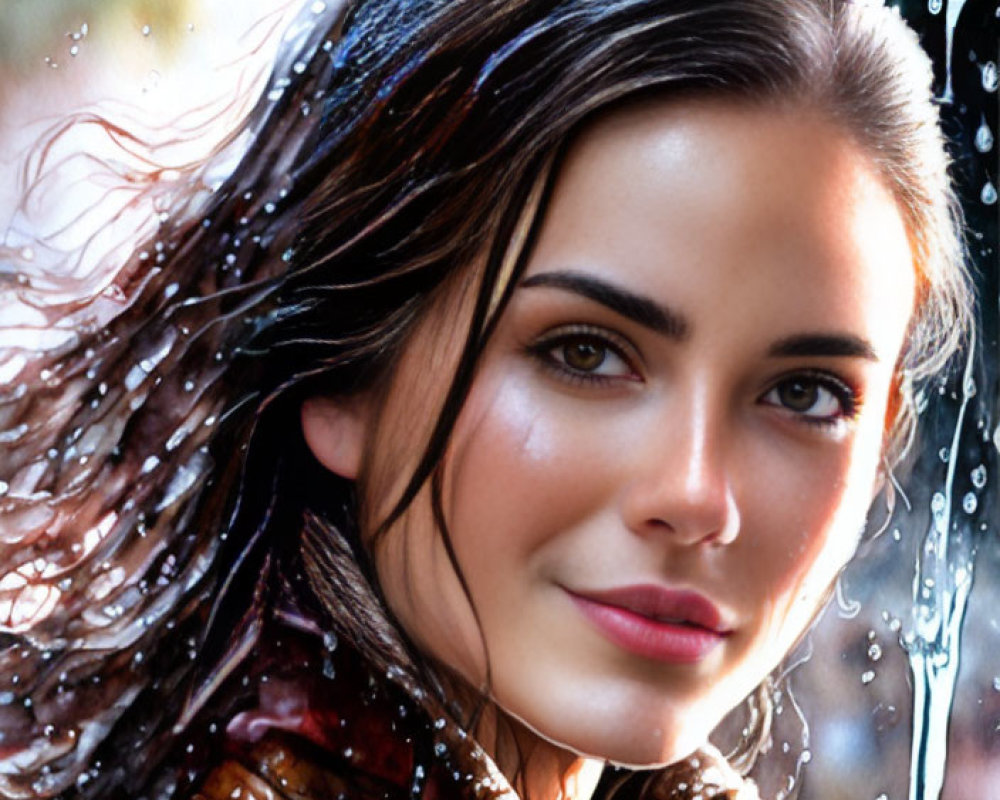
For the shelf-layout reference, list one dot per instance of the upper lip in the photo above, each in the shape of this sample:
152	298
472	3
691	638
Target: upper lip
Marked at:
660	603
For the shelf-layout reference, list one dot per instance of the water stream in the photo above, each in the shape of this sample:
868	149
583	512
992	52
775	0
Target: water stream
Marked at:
941	585
952	13
946	560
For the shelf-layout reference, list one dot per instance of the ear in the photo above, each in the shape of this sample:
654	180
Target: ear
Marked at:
335	430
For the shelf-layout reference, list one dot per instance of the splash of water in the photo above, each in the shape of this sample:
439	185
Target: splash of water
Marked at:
942	583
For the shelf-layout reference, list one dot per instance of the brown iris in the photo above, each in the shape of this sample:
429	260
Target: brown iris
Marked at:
584	356
798	395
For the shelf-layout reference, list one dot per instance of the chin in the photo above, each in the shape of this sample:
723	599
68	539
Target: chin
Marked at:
634	741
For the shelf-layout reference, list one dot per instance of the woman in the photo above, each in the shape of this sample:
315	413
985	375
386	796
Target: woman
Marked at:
508	411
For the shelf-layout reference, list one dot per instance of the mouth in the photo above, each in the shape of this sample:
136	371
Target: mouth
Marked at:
652	622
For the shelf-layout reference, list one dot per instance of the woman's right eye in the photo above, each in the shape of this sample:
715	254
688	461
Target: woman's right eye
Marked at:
584	356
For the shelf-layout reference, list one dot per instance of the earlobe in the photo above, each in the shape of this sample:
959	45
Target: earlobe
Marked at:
335	429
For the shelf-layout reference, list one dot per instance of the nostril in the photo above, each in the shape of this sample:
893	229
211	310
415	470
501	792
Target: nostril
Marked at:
681	516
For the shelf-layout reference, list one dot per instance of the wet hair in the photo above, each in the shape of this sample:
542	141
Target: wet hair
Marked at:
155	466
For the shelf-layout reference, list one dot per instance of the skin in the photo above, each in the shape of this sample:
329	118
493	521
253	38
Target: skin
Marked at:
594	452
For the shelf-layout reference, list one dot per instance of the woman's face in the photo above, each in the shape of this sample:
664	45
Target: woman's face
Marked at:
673	436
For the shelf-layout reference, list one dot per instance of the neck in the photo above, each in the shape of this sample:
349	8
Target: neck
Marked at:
535	767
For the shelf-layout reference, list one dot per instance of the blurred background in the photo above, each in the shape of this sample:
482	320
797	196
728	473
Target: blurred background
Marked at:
179	74
941	547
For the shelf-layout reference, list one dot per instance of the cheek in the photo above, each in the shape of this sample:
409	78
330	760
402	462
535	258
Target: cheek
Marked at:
515	477
810	530
519	472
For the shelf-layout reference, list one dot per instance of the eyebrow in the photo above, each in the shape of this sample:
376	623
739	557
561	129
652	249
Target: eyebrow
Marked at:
637	308
823	344
673	325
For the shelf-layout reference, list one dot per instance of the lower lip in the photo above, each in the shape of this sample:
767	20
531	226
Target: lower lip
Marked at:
660	641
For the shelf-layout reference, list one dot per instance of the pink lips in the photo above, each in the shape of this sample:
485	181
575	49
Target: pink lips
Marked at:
653	622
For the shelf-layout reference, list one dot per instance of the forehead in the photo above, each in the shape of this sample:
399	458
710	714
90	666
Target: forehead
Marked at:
689	199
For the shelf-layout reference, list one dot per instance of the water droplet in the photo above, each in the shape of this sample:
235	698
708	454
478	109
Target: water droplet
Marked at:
935	6
970	503
150	464
989	194
978	476
896	535
440	750
268	208
146	30
937	503
84	29
989	73
882	796
329	671
996	684
299	67
984	137
867	676
874	652
943	454
74	50
318	7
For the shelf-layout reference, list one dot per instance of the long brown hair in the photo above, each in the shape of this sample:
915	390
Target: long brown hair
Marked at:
154	478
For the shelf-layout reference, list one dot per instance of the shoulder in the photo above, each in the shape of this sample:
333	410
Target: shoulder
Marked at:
316	724
282	767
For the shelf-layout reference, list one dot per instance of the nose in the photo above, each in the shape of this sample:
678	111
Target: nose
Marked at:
681	483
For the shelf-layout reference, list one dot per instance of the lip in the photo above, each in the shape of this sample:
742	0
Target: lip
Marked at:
667	625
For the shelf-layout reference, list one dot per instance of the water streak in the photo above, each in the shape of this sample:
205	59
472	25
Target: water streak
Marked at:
941	586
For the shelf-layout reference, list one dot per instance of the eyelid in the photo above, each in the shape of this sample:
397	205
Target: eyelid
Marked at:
848	395
614	342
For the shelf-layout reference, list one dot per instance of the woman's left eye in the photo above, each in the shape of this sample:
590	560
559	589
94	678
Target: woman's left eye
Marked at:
817	399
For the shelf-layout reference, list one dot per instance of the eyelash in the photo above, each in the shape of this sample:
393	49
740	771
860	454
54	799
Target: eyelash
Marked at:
598	338
847	398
